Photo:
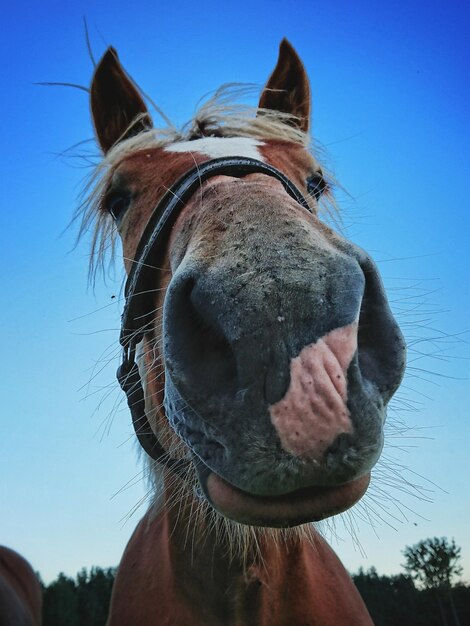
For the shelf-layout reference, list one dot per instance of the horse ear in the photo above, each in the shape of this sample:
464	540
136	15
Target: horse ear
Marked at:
115	103
288	88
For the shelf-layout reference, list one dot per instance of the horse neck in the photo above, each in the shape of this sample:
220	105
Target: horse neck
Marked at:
178	569
275	579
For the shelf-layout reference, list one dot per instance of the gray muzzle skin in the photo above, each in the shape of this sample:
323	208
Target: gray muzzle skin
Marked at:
228	346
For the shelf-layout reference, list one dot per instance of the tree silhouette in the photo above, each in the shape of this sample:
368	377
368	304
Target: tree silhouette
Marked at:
433	563
80	602
60	603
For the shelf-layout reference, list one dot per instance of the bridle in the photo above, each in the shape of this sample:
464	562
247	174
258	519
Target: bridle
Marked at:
136	317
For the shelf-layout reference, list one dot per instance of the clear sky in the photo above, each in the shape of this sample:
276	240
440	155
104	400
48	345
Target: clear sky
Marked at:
390	83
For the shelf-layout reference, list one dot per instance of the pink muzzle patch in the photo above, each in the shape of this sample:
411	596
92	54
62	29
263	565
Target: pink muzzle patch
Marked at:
314	410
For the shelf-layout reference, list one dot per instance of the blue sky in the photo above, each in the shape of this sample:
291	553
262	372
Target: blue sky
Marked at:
390	84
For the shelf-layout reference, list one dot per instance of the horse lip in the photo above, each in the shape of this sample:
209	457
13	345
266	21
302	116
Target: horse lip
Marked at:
309	504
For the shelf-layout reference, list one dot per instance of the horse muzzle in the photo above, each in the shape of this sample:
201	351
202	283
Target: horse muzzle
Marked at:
278	378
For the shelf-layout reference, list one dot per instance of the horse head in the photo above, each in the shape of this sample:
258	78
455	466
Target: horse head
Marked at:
265	345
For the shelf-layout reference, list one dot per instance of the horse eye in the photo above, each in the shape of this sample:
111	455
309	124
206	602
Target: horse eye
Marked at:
117	204
316	185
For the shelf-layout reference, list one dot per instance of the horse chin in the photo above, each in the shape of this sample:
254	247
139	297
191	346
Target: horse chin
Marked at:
310	504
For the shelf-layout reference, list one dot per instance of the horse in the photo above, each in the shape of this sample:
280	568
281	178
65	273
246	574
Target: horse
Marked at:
20	591
259	355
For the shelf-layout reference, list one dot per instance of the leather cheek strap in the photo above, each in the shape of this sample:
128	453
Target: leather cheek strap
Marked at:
129	378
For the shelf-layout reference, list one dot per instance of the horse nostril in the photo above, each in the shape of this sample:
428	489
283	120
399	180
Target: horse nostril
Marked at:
381	346
196	350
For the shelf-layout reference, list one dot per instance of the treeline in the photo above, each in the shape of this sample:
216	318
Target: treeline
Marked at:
83	601
391	600
396	601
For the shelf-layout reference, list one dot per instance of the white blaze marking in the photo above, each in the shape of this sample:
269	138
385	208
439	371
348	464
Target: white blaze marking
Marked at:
215	147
